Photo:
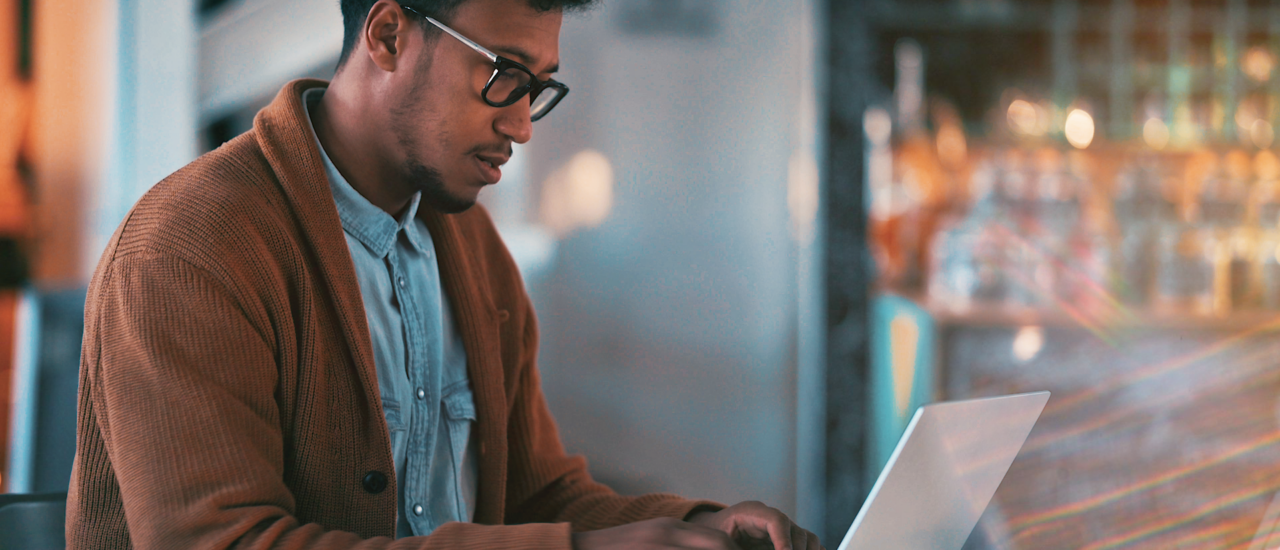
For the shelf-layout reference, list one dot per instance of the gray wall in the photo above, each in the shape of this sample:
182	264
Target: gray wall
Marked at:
669	333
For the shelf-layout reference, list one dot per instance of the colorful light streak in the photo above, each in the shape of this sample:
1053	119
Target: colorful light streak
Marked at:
1026	523
1227	382
1085	397
1231	500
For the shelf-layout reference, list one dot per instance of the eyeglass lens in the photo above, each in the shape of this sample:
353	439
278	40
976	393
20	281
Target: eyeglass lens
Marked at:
507	84
545	101
510	83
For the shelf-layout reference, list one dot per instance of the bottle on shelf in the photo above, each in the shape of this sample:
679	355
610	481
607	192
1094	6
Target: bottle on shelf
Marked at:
1142	208
1224	192
1189	259
1086	271
1268	261
1264	207
1240	285
969	255
1043	202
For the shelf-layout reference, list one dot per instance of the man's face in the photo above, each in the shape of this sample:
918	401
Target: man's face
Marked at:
449	138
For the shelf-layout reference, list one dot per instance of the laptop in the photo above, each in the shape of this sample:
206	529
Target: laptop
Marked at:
943	473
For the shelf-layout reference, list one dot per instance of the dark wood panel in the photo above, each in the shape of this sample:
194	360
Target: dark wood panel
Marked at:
848	275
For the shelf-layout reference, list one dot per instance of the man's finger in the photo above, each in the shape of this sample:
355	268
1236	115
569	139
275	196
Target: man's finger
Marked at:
780	532
799	538
811	540
814	543
697	537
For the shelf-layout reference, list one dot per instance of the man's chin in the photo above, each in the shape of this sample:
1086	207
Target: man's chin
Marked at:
446	202
437	194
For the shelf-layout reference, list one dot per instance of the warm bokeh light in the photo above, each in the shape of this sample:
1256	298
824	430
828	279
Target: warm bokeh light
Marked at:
803	195
1266	165
1257	64
1246	116
953	148
1025	118
1185	131
1079	129
1028	343
1155	133
578	195
1238	164
1262	133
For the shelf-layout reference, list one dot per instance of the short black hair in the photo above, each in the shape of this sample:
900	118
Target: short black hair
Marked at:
354	12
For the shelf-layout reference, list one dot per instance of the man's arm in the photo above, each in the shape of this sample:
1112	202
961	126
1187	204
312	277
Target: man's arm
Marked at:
182	384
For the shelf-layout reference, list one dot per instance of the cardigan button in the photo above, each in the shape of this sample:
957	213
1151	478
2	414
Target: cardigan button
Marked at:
374	482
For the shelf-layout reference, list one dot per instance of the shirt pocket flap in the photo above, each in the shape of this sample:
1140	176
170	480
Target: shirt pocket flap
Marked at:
391	410
459	403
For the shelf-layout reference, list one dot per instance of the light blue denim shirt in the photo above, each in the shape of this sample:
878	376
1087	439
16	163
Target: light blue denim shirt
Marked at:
422	366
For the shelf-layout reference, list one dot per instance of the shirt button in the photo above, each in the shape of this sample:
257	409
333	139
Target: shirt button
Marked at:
422	394
417	510
400	281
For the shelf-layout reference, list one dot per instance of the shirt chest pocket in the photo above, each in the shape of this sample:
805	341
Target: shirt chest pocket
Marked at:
460	413
459	417
398	429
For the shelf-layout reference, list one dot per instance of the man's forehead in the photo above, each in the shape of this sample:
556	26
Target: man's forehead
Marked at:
525	58
514	29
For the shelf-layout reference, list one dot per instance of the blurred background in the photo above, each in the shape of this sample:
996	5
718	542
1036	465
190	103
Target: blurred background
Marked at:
760	233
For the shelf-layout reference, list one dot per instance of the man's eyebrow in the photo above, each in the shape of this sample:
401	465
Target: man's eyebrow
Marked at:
523	57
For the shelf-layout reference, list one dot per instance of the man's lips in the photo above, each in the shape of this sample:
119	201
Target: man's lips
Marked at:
489	168
494	160
489	160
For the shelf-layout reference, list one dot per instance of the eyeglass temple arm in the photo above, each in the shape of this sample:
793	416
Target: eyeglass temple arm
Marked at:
492	56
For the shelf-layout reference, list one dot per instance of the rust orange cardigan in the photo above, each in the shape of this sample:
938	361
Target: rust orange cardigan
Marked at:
228	396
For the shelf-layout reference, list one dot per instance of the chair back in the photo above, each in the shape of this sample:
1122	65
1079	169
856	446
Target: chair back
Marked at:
33	521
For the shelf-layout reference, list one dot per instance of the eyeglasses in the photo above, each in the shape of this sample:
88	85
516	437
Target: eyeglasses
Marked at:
510	80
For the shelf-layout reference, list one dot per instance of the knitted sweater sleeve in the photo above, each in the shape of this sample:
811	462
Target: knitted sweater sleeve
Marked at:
182	387
547	485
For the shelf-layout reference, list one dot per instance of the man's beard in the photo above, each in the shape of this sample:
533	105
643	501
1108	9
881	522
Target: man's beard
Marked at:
426	179
430	182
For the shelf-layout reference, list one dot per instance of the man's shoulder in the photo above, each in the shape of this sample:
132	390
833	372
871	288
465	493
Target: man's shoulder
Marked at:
226	200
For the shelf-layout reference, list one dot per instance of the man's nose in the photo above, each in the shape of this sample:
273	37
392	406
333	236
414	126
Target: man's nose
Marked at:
514	122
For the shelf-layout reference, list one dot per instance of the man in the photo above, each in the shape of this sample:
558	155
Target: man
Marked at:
311	338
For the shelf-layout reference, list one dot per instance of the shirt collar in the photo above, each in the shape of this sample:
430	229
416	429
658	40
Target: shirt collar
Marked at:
369	224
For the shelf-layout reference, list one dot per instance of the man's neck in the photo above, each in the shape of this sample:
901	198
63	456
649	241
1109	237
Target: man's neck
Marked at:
335	120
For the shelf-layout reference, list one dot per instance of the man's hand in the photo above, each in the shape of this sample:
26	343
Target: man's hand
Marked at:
655	534
757	521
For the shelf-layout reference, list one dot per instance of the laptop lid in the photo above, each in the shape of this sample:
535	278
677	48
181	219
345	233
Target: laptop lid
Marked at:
943	473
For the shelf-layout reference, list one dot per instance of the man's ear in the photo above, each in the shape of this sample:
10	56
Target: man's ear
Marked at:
385	32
